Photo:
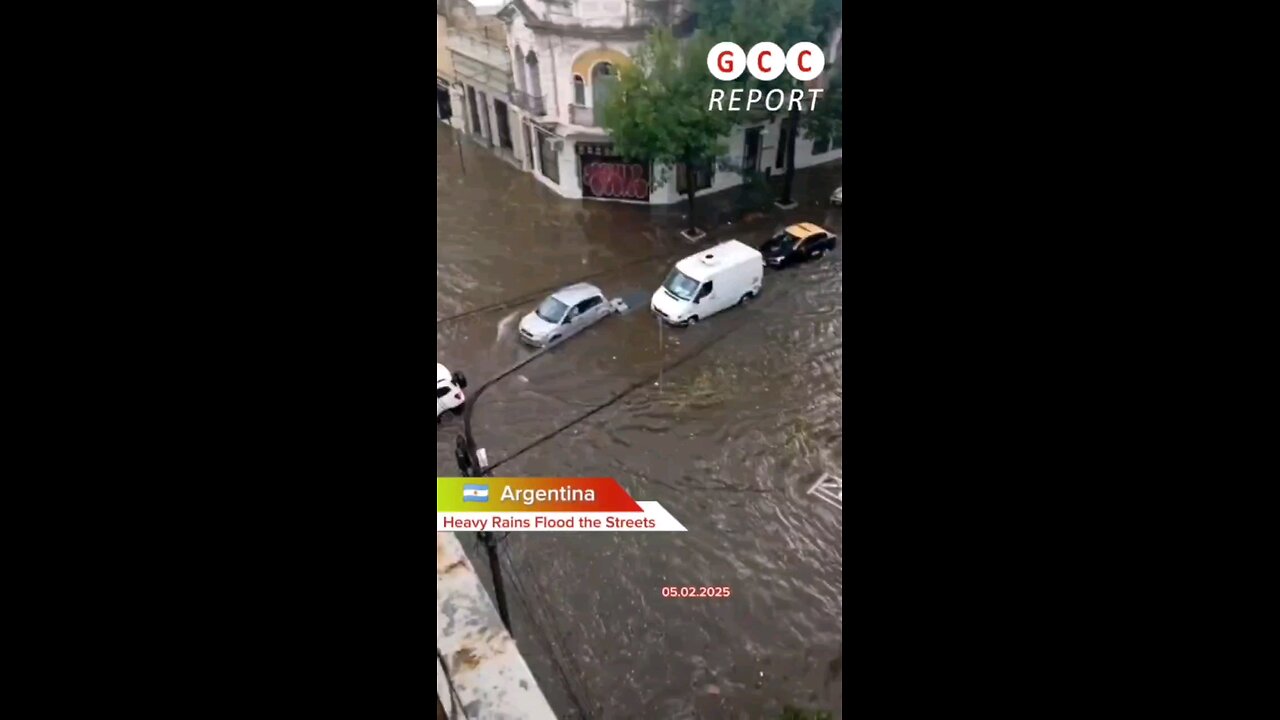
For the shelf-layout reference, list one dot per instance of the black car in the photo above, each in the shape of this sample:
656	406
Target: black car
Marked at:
796	243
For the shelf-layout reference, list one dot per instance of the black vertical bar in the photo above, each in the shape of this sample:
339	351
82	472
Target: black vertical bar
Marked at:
460	158
499	592
469	466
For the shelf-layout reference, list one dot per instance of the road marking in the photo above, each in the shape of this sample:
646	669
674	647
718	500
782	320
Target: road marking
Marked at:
829	489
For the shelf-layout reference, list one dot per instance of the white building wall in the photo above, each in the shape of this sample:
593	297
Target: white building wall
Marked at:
570	183
458	120
770	137
556	55
486	676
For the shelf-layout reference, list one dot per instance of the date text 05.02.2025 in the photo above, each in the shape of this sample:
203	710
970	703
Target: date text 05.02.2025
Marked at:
695	591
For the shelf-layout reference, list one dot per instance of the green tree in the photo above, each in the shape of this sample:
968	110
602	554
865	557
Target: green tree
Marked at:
784	22
659	114
826	121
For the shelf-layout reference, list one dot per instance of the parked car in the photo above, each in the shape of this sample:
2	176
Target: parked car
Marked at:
567	312
702	285
449	387
837	197
796	243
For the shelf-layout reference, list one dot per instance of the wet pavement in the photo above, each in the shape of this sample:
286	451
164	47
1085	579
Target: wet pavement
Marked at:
744	423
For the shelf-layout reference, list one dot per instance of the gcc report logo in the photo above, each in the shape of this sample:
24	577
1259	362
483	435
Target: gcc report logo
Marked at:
766	61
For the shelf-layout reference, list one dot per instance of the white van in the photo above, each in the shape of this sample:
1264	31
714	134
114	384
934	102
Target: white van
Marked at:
449	391
704	284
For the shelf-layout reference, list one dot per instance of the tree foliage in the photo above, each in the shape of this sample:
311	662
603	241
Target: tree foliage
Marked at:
784	22
659	113
747	22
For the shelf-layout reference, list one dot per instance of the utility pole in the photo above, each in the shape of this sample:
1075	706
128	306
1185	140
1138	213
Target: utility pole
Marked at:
472	463
470	467
461	160
499	592
662	352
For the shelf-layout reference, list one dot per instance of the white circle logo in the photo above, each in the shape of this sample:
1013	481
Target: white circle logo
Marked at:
726	61
805	61
766	61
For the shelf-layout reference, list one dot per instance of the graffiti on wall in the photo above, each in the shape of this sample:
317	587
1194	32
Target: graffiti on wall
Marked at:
625	181
606	176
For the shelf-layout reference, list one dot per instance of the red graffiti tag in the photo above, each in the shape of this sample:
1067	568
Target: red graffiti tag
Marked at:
616	180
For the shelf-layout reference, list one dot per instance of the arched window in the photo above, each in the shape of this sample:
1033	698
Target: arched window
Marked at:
603	69
604	80
533	84
579	90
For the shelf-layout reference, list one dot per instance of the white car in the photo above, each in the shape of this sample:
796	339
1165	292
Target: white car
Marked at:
449	394
837	197
567	312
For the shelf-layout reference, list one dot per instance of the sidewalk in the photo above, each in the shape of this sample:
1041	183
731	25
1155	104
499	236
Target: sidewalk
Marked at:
811	189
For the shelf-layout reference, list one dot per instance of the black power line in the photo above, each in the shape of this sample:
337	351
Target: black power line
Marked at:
632	388
540	293
665	255
455	701
540	621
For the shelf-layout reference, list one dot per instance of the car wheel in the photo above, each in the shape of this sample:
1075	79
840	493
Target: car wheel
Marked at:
820	253
553	340
743	300
693	320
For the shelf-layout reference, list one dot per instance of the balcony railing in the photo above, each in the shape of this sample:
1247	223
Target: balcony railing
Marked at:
531	103
582	115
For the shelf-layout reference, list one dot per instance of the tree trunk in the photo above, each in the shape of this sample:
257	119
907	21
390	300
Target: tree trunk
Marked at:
793	130
691	188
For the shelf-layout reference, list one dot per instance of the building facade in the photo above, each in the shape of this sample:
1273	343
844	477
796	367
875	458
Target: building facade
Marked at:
481	90
565	57
444	65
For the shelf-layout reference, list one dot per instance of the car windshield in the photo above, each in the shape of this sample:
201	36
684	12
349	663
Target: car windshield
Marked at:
681	285
785	241
552	310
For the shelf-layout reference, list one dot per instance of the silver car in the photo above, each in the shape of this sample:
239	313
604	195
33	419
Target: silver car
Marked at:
567	312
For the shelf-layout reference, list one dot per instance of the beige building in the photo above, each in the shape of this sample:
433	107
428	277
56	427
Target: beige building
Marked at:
444	63
482	68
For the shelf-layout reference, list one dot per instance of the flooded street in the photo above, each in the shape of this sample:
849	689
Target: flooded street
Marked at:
745	421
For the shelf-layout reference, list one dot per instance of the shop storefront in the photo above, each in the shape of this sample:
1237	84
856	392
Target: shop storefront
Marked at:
607	176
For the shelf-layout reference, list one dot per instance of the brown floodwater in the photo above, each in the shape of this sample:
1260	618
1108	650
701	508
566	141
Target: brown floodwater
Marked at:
730	443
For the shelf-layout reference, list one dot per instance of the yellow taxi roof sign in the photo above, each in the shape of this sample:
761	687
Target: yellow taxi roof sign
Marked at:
804	230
